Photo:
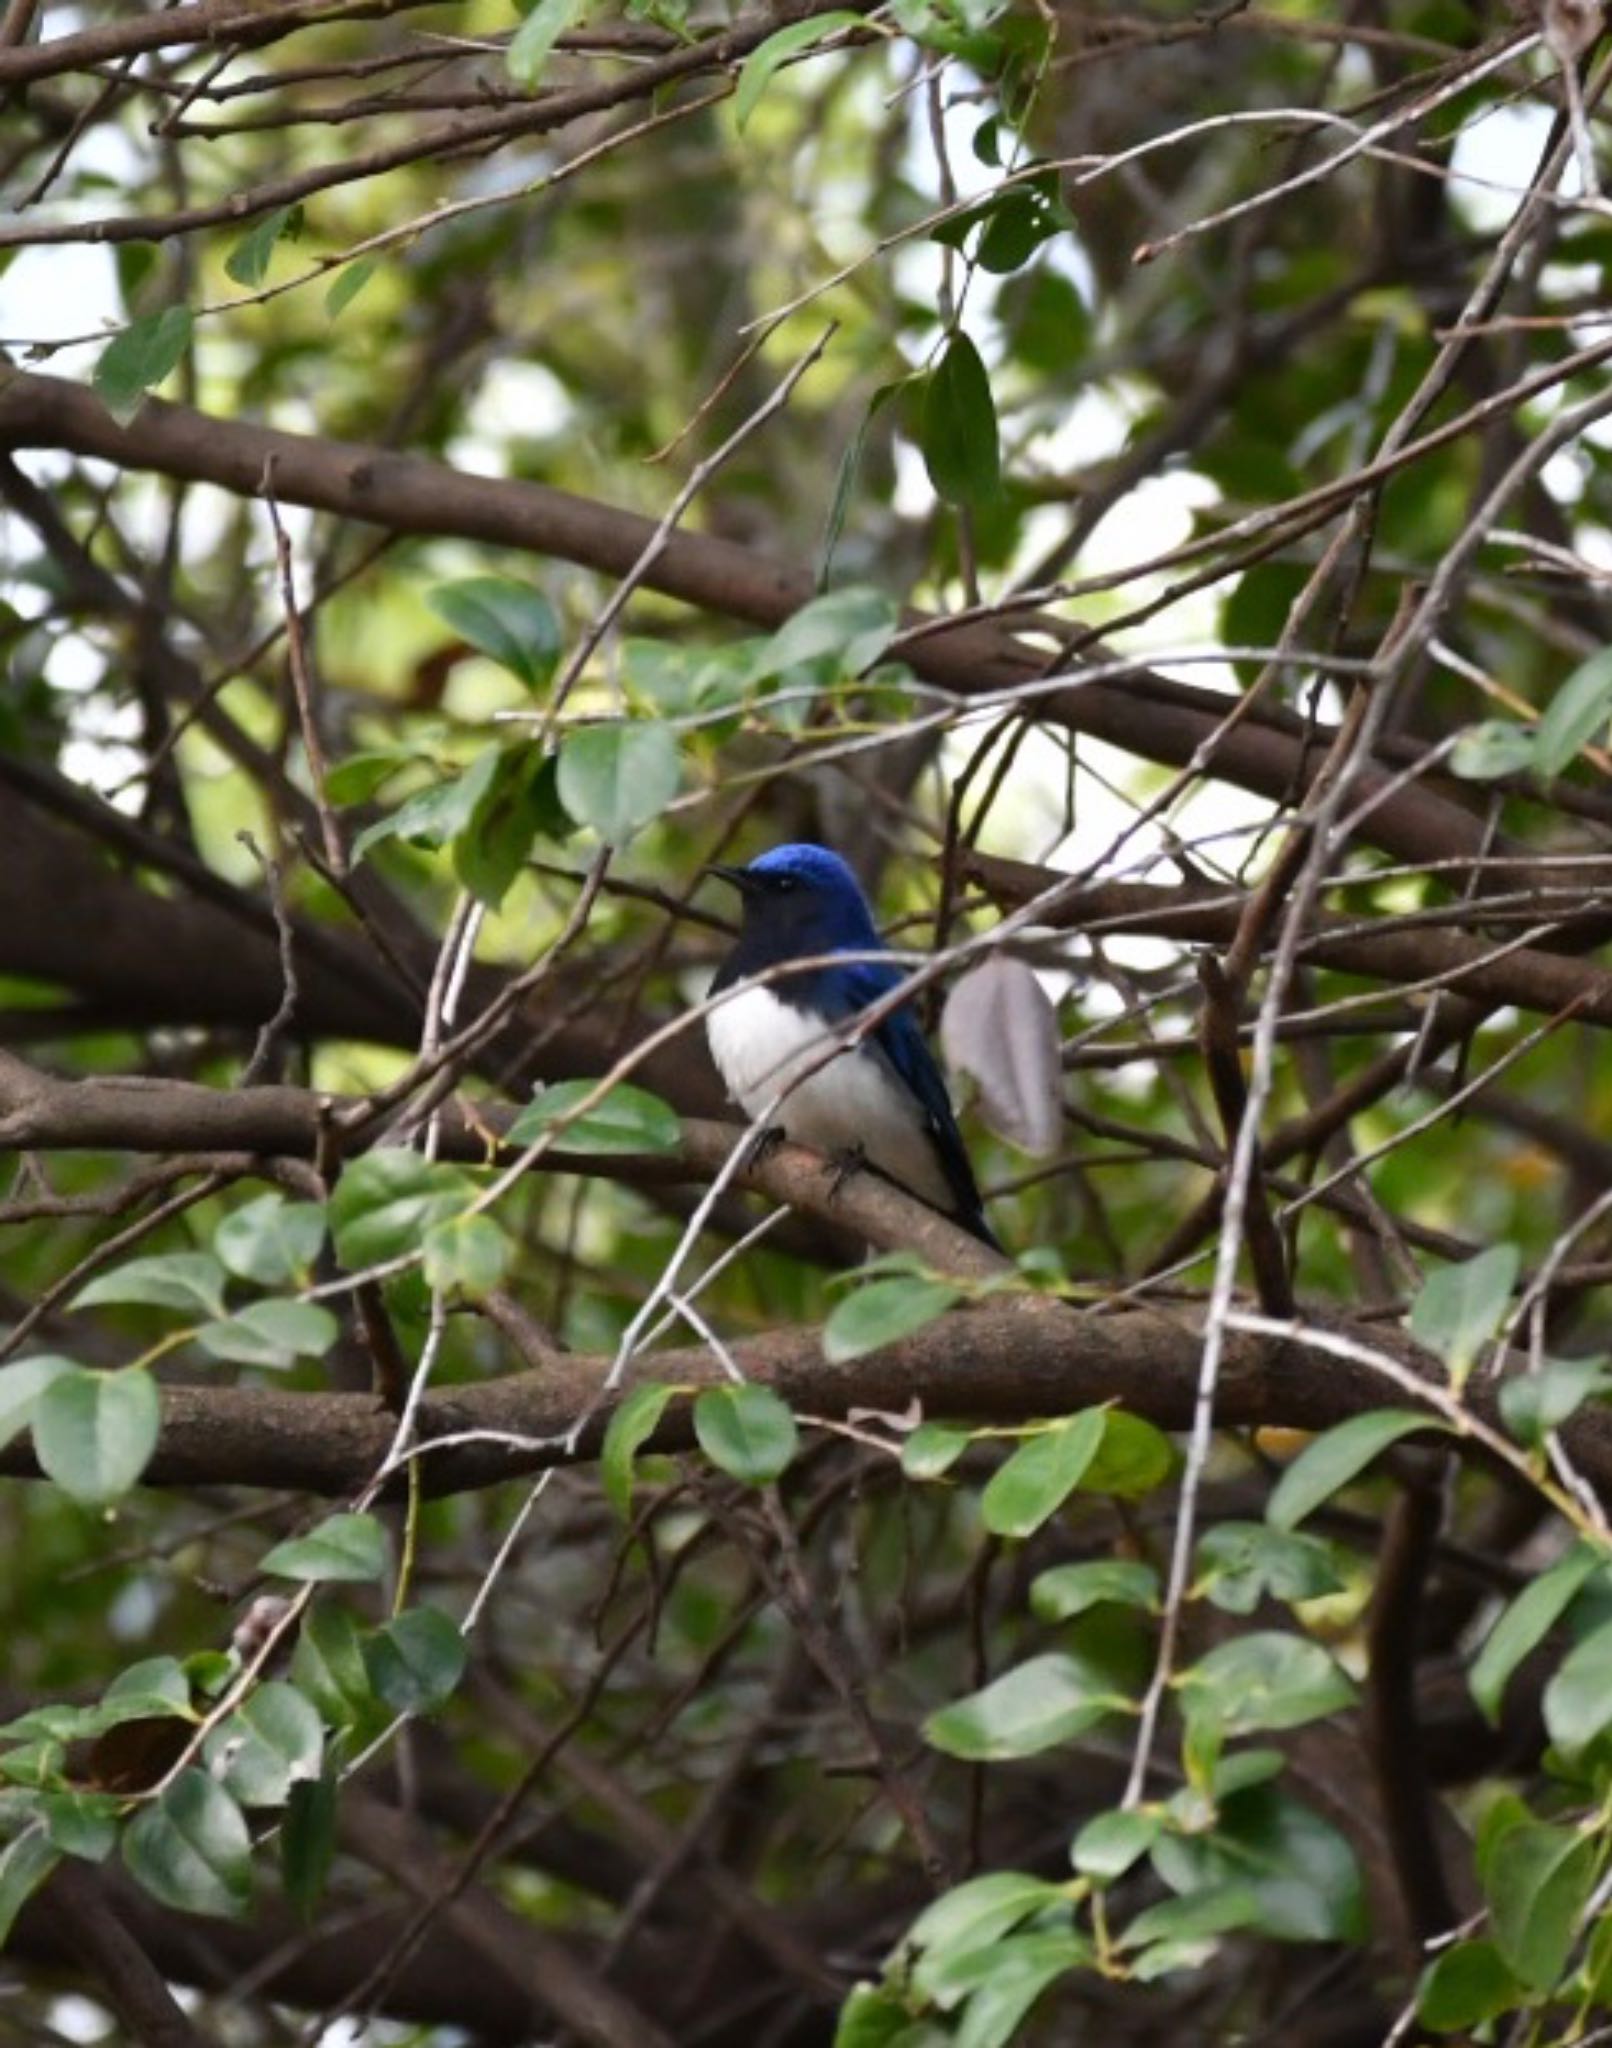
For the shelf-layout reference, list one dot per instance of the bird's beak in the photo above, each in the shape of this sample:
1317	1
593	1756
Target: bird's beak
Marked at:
738	878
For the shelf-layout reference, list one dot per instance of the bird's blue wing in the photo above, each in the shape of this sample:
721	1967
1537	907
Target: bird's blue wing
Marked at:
846	990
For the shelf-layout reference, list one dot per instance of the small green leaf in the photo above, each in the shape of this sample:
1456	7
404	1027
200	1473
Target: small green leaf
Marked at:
1041	1474
415	1660
388	1199
1580	709
765	60
1069	1589
190	1848
272	1741
1264	1680
25	1863
883	1312
974	1915
1110	1843
529	51
1336	1457
1494	748
82	1824
1464	1986
308	1842
345	1546
1133	1458
274	1334
1221	1910
1242	1563
958	433
94	1432
623	1121
1526	1622
520	803
248	262
328	1665
1011	1980
629	1429
348	285
21	1385
509	622
141	356
933	1449
1460	1308
272	1241
466	1255
1298	1866
439	813
1037	1705
1535	1403
618	777
850	627
1578	1700
1538	1882
181	1280
747	1431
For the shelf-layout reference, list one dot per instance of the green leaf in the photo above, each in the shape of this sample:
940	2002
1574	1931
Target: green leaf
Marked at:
21	1385
958	432
274	1740
976	1914
343	1547
94	1432
1298	1867
1526	1622
747	1431
1013	1978
883	1312
534	40
1242	1563
435	815
933	1449
190	1848
248	262
308	1842
1578	1700
617	777
1494	748
509	622
272	1241
1041	1474
141	356
1336	1457
466	1255
1264	1680
387	1200
82	1824
1535	1403
415	1660
1037	1705
348	285
628	1430
182	1280
1069	1589
1580	709
852	627
272	1333
1538	1881
623	1121
1133	1458
1220	1911
1464	1986
876	2016
767	57
1460	1308
520	802
328	1665
1110	1843
25	1863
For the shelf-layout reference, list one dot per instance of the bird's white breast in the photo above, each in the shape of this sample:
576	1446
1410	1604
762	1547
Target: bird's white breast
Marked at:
854	1101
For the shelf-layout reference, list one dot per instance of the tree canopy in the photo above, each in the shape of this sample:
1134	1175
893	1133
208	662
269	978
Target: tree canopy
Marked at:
492	1553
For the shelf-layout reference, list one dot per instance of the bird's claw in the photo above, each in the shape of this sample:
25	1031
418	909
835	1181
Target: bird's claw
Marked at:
762	1144
842	1165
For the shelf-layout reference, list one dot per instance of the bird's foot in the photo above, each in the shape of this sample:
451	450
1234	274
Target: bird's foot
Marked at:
762	1144
842	1165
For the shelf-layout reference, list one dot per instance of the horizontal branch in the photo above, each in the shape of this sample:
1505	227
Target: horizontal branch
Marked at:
1150	716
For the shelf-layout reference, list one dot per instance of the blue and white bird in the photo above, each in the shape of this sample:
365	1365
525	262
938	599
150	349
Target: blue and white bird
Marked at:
879	1100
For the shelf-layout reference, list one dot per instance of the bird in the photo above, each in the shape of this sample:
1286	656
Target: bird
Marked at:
879	1100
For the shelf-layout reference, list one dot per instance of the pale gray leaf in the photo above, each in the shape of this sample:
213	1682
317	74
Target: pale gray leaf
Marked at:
999	1028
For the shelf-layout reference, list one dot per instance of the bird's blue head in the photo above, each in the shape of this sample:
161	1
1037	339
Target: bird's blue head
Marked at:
801	900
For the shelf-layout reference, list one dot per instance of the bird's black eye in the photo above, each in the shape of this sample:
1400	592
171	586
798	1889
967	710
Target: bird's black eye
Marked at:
785	883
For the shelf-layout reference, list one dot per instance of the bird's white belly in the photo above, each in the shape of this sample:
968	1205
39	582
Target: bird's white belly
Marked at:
854	1101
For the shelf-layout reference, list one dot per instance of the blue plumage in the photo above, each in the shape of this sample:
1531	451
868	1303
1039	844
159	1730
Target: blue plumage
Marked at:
884	1098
